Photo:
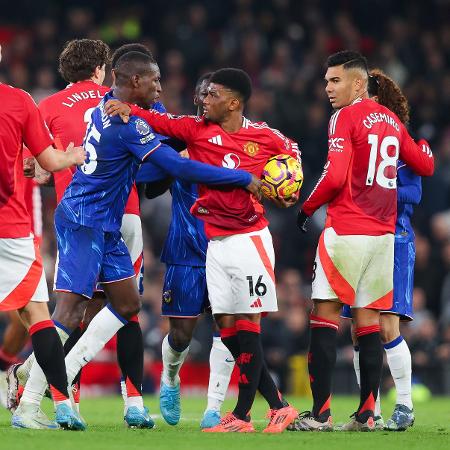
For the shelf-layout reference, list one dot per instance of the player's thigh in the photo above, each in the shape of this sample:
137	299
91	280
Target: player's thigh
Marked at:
116	263
79	258
218	279
131	231
252	272
184	291
338	266
375	289
22	276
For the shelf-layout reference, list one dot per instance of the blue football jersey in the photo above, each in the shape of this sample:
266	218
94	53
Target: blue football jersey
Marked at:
100	188
409	193
186	241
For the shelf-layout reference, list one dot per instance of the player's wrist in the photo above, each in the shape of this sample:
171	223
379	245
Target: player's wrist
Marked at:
302	221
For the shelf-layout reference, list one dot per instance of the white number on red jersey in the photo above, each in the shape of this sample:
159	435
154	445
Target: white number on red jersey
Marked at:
386	161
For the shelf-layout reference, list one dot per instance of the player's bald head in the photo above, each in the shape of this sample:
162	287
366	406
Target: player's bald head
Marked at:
133	64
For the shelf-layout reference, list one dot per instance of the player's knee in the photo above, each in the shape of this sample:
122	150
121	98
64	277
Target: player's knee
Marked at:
129	309
180	338
389	328
69	315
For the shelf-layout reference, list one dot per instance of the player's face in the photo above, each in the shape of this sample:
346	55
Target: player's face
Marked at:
201	94
216	104
149	89
340	86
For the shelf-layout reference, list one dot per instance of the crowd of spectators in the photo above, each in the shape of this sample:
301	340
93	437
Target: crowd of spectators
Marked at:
282	44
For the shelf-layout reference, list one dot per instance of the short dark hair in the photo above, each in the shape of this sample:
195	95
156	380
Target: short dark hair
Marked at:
234	79
131	63
80	57
134	47
349	59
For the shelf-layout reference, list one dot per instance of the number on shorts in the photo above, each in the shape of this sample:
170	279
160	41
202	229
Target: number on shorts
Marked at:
259	288
386	161
314	271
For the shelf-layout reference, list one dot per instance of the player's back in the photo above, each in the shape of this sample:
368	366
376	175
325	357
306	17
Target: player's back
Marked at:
367	202
67	114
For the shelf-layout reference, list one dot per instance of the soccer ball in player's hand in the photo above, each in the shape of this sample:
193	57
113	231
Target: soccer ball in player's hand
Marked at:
282	177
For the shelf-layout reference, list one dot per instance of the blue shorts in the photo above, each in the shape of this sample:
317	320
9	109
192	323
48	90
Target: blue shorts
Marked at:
87	256
404	258
184	292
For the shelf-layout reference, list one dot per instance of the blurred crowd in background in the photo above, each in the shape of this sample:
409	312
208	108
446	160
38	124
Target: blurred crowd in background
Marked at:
283	45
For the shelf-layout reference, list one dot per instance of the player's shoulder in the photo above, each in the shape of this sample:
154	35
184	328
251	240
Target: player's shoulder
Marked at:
12	93
261	128
137	130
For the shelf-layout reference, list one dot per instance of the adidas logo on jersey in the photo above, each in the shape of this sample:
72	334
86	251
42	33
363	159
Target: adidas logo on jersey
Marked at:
216	140
256	304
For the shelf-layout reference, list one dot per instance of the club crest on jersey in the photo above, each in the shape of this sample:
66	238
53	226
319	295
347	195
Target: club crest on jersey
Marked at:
251	148
142	127
167	296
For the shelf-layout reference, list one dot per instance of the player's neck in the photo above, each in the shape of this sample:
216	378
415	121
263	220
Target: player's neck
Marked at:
232	124
95	80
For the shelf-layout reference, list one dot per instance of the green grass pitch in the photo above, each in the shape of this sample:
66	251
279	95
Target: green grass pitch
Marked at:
107	432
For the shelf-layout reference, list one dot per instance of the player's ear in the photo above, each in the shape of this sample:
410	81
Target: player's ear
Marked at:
135	80
234	104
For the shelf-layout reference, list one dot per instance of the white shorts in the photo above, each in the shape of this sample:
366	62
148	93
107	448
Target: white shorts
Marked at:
240	273
355	269
22	276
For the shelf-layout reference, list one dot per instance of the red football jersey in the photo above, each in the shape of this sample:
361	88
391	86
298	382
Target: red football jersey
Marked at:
20	122
67	114
359	179
225	210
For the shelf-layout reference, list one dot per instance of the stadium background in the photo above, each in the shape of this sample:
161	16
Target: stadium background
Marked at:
282	44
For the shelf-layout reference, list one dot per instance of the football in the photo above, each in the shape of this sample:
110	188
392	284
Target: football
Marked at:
282	177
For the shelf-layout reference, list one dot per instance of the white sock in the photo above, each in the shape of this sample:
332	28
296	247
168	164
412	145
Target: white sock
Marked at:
123	391
101	329
377	411
399	361
221	364
135	401
172	362
36	382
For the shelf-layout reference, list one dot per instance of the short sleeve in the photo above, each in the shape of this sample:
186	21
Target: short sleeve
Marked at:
139	138
36	135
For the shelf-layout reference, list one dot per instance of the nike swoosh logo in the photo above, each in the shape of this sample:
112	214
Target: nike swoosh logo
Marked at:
229	360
